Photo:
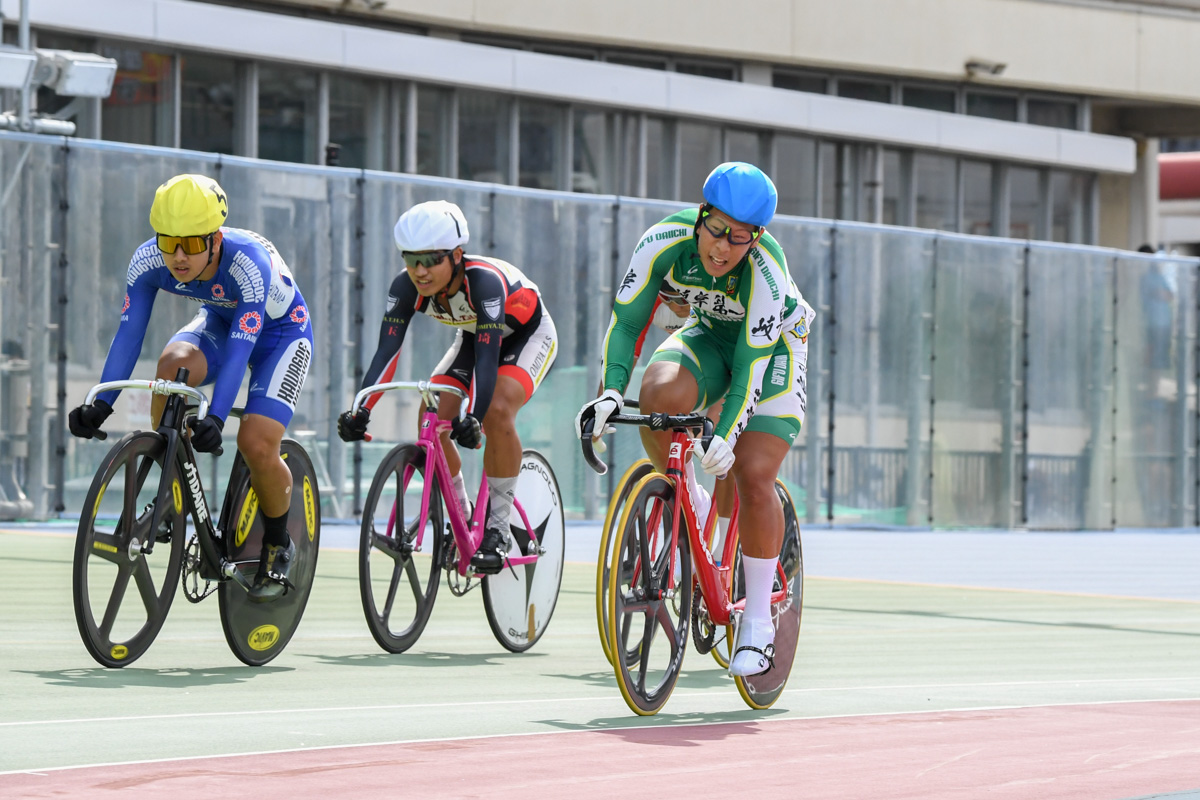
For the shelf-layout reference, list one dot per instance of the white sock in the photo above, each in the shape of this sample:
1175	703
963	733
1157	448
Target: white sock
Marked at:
700	496
460	490
719	539
760	579
501	491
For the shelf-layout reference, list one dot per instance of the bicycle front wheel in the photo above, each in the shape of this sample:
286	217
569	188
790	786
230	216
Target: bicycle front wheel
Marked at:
398	560
519	601
616	505
116	627
761	691
649	596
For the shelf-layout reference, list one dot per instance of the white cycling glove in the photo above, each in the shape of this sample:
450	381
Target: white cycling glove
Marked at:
603	407
718	458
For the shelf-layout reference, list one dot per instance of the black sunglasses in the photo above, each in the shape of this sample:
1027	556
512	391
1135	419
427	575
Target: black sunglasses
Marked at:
735	237
426	260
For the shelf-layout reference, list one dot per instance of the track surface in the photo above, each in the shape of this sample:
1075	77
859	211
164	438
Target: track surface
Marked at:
903	689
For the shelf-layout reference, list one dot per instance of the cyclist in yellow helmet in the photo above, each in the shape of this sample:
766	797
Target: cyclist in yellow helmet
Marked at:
251	315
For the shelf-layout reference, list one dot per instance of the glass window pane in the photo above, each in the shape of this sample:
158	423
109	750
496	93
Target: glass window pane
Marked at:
139	110
659	181
977	198
865	90
993	106
743	146
1051	113
891	187
433	131
349	99
925	97
642	62
1068	191
936	195
699	152
287	114
796	174
542	127
830	181
721	72
207	98
1024	203
799	82
591	152
483	136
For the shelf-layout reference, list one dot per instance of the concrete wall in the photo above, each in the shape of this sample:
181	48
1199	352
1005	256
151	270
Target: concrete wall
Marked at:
1149	51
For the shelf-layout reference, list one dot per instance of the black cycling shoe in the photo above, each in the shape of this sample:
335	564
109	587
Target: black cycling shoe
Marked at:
489	558
274	564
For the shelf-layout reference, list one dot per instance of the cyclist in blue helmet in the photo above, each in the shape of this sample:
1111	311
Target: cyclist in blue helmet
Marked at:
746	341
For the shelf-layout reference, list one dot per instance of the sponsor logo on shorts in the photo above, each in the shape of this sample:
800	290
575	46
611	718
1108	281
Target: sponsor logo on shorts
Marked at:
251	322
287	383
299	316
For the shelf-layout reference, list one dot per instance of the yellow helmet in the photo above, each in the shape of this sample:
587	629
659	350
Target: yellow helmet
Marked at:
188	205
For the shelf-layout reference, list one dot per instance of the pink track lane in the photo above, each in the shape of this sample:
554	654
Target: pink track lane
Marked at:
1090	752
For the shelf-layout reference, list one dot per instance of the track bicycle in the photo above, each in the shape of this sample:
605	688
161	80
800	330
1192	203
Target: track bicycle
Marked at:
662	584
413	527
156	478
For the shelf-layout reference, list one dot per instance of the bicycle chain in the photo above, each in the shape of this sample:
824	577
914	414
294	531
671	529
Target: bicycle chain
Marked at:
191	569
705	640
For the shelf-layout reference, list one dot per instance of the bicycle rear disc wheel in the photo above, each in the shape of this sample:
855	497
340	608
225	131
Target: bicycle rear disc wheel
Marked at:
117	627
258	632
519	601
646	615
398	575
761	691
616	505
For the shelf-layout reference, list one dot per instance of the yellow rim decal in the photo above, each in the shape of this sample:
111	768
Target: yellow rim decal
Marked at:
264	637
119	651
310	510
177	495
246	519
99	499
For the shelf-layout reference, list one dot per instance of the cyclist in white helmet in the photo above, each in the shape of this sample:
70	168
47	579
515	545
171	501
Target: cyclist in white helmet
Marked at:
504	346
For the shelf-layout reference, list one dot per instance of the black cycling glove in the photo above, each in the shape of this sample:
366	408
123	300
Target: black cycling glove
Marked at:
467	432
353	427
85	421
206	434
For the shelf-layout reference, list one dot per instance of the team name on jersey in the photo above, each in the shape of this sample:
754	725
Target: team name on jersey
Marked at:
144	260
249	279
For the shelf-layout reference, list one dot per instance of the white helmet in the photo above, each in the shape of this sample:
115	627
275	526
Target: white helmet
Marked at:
435	225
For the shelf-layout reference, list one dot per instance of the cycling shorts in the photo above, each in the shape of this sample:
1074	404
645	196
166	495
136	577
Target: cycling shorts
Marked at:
525	356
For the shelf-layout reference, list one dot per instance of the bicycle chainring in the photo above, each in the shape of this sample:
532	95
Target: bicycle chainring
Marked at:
703	631
190	576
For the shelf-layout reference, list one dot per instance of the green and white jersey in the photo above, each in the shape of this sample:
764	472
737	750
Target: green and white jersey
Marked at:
750	308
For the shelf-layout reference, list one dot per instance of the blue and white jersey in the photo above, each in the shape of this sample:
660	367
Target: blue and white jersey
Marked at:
252	293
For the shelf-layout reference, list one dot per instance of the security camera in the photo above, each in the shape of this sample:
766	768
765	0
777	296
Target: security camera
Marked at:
982	66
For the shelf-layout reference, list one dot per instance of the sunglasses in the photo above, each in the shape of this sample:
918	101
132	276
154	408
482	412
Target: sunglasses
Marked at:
735	237
192	245
426	260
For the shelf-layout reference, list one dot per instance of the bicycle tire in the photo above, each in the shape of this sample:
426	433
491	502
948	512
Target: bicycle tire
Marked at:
393	552
638	580
519	601
616	504
761	691
258	632
136	457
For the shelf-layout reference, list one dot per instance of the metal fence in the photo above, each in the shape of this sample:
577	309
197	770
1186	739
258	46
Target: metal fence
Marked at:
954	381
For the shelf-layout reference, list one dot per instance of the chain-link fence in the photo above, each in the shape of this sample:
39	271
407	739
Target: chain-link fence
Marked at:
953	380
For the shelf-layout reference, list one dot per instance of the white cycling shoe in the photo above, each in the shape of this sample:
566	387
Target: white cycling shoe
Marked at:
754	653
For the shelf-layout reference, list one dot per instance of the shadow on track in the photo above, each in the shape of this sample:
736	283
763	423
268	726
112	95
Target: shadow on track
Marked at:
423	659
674	730
101	678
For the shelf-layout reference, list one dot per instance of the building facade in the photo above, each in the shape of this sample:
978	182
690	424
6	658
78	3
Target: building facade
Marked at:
1024	118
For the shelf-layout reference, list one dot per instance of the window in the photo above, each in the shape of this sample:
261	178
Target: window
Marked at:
592	167
993	106
660	159
349	101
1068	193
930	98
699	152
1051	113
743	145
287	114
796	174
140	109
1024	204
434	135
207	98
831	181
977	197
718	71
893	213
874	91
484	136
800	82
542	136
937	194
641	62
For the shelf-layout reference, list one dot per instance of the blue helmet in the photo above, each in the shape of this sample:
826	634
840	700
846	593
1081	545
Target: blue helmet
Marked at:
743	191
